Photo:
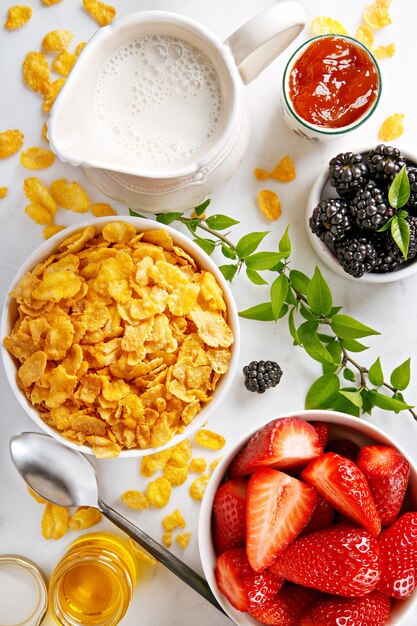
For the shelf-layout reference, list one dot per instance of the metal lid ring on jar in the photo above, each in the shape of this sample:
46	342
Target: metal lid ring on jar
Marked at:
24	587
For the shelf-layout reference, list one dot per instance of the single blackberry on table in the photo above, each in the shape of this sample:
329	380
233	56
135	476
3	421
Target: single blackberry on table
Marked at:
357	255
260	375
348	173
384	162
412	177
331	221
370	208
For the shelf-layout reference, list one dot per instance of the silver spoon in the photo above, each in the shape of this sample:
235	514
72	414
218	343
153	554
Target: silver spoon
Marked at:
66	477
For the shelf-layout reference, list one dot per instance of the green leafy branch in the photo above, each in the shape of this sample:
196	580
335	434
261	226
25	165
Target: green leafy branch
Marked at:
326	334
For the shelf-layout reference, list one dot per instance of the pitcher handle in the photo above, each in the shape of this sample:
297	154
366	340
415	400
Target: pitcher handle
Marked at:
258	42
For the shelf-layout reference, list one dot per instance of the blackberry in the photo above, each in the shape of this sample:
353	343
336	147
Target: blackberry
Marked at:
384	162
357	255
348	173
412	177
370	208
389	255
260	375
331	221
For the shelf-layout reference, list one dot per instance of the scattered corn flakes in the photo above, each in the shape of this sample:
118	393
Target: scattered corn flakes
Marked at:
36	74
36	496
327	26
384	52
102	210
209	439
198	465
39	214
167	539
392	127
135	499
44	132
63	63
365	36
54	521
3	192
84	517
52	93
181	453
215	463
261	174
70	195
11	142
159	492
49	3
269	204
37	193
103	13
175	475
154	462
80	47
51	230
37	158
17	16
141	554
376	15
284	171
173	520
198	487
57	40
183	539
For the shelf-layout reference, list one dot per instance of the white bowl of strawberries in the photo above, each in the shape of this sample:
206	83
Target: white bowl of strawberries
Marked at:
311	520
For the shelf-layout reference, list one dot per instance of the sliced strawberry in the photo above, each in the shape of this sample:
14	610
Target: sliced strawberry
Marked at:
372	610
322	517
342	560
323	431
398	549
339	481
244	588
229	515
387	473
283	443
278	507
287	607
345	447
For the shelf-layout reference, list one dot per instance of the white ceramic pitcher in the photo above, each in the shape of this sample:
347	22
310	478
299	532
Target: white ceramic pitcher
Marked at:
77	138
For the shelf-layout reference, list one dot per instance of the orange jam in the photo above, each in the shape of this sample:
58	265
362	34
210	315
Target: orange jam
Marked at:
333	83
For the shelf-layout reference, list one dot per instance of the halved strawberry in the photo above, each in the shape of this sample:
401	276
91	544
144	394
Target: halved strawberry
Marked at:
372	610
287	606
342	560
398	549
387	473
244	588
277	509
322	517
339	481
229	515
283	443
345	447
323	431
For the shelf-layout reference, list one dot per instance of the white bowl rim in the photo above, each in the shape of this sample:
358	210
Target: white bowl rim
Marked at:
203	262
205	545
322	250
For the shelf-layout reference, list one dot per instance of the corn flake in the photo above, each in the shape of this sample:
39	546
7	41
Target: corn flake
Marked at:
209	439
70	195
51	94
63	63
84	517
173	520
140	554
175	475
376	16
392	127
384	52
269	204
39	214
103	13
11	142
38	194
183	539
51	230
54	521
17	16
3	192
198	487
159	492
37	158
365	36
284	171
36	74
49	3
261	174
32	369
135	499
167	539
57	40
198	465
80	47
102	210
327	26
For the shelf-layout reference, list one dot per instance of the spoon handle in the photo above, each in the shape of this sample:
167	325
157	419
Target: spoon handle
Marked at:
180	569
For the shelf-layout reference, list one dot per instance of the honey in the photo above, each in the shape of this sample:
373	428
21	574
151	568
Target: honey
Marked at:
93	583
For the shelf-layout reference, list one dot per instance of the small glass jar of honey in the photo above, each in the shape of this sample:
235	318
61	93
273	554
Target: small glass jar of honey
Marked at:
93	583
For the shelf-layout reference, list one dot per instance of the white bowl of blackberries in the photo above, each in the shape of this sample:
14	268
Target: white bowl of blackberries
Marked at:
362	215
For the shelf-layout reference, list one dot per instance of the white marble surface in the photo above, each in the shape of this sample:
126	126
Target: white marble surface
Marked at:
390	308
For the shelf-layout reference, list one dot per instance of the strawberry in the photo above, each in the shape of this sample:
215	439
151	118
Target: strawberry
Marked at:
372	610
339	481
277	509
229	515
342	560
322	517
345	447
387	473
323	432
283	443
244	588
287	606
398	549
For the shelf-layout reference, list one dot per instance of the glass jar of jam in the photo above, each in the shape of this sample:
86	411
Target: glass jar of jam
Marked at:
331	85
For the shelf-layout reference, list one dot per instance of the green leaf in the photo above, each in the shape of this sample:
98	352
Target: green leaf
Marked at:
306	313
319	296
386	226
368	403
228	252
400	232
167	218
399	190
284	311
220	222
353	346
325	338
199	210
400	377
292	328
321	392
291	299
284	245
347	327
335	349
249	243
278	267
402	213
207	245
343	404
192	225
353	396
317	351
349	375
385	402
375	374
261	312
299	281
327	368
262	260
228	271
255	278
334	310
133	213
398	396
307	331
279	290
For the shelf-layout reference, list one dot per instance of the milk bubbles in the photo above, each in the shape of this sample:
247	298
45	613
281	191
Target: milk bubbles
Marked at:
158	100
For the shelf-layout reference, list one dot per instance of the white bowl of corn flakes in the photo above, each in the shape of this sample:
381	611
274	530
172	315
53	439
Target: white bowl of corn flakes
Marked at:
119	338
